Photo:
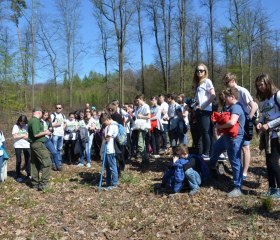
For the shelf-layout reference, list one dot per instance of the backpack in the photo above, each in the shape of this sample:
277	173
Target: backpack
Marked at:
121	138
275	100
248	128
54	119
201	167
83	136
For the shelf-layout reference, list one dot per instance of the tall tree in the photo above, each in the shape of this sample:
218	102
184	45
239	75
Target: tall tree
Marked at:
119	13
237	7
33	24
48	36
140	37
160	12
18	6
210	4
105	36
69	11
252	17
182	41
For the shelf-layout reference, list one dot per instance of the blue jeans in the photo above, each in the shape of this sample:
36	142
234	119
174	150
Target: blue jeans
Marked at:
111	170
233	147
164	136
54	154
87	150
193	177
58	144
1	164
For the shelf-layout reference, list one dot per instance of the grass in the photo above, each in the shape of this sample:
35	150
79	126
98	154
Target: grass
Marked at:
129	178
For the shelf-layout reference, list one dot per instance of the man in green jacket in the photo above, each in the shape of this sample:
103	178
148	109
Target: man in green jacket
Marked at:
40	157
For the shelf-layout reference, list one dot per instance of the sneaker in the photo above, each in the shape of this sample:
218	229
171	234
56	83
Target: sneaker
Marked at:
194	191
155	156
236	192
110	188
276	194
80	165
270	192
222	156
88	165
19	180
244	177
205	157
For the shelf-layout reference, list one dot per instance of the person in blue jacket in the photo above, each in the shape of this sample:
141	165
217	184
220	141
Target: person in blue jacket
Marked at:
182	169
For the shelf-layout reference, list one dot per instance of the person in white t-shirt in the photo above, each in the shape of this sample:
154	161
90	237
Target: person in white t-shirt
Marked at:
250	107
204	96
58	119
88	122
109	133
70	137
164	119
143	113
21	144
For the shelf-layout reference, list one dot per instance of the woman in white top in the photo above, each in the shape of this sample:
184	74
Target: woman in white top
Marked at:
46	120
269	97
70	136
88	123
21	144
204	95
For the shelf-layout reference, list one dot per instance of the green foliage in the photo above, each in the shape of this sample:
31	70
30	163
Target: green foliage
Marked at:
268	204
17	6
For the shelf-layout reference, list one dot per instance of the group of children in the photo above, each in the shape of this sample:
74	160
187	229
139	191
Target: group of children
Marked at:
89	134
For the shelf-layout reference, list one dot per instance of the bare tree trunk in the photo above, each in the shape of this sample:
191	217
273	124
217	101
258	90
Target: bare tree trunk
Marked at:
277	59
119	13
33	54
182	12
24	74
155	24
140	35
212	39
239	41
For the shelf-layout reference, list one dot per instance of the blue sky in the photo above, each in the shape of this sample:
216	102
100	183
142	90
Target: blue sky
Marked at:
89	33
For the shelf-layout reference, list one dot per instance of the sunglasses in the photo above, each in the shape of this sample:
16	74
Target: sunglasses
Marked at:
58	108
200	70
88	111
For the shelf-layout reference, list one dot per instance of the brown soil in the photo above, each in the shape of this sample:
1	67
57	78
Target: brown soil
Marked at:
72	207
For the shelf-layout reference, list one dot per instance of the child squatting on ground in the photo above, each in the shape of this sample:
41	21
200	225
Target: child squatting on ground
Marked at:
182	169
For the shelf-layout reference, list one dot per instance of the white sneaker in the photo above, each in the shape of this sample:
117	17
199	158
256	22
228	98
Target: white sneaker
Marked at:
205	157
88	165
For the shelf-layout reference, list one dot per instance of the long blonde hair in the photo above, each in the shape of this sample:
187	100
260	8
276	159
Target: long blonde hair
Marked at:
196	80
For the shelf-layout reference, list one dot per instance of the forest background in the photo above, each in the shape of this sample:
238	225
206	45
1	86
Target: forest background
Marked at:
130	47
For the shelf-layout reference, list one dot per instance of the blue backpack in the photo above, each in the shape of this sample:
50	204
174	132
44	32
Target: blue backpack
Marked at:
201	167
121	138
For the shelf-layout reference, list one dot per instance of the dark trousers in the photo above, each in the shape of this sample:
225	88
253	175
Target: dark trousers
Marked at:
26	153
272	163
155	140
202	130
69	146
